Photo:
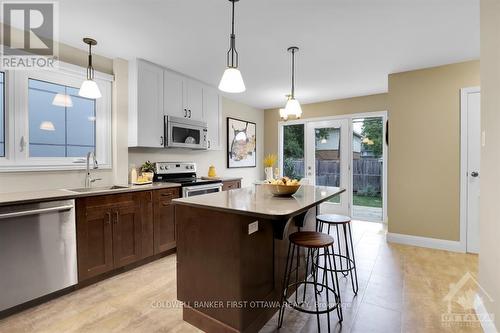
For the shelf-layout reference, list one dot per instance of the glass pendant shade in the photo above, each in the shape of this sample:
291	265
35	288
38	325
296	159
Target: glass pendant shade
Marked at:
89	89
283	114
293	108
231	81
62	100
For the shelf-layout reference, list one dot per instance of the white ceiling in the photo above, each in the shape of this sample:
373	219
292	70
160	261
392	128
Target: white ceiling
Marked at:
347	47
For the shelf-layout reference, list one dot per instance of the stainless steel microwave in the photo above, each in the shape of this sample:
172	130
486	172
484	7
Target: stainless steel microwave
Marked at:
185	133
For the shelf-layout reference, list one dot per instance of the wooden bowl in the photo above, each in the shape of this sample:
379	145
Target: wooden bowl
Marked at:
283	190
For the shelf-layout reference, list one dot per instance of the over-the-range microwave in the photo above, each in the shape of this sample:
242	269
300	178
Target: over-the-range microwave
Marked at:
185	133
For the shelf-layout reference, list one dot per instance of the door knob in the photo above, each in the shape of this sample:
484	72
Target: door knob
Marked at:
474	174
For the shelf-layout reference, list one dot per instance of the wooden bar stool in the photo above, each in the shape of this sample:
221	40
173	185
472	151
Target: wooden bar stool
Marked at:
312	241
345	254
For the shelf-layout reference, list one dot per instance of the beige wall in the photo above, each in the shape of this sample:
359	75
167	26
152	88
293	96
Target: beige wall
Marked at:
204	159
29	181
324	109
424	149
489	255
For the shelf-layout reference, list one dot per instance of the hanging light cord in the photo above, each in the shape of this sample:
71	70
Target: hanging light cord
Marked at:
90	68
293	75
232	54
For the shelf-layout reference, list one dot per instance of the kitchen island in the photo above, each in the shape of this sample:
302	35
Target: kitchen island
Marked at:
231	252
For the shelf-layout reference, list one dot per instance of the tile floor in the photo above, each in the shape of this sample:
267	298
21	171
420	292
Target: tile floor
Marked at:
402	289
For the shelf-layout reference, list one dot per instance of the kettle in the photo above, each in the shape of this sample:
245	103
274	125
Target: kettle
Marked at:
211	171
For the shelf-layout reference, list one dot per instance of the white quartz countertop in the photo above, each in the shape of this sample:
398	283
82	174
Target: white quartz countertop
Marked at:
14	198
257	201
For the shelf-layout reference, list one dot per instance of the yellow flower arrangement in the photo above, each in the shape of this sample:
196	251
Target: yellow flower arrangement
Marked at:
270	160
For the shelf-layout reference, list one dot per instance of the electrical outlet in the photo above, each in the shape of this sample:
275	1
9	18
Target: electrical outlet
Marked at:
253	227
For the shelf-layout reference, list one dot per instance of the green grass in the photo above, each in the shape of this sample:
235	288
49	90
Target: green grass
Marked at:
367	201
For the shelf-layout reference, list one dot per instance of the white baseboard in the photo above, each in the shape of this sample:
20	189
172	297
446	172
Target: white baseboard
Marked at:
433	243
486	321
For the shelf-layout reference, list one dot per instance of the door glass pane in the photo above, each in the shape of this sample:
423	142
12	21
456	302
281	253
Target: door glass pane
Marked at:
61	123
2	116
367	168
327	158
293	151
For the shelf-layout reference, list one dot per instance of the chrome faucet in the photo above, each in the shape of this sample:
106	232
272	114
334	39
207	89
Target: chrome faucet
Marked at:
88	177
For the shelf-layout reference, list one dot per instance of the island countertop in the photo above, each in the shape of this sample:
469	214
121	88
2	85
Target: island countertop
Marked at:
259	202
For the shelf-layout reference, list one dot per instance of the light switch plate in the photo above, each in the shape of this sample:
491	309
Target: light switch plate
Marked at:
253	227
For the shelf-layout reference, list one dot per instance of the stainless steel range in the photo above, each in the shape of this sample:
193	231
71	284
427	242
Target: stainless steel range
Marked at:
184	173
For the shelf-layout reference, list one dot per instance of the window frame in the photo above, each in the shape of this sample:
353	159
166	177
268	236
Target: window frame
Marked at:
17	120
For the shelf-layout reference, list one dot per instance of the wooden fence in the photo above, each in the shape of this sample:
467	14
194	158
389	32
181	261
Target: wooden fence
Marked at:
367	173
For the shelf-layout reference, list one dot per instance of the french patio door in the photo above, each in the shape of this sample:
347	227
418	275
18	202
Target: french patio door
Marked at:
328	147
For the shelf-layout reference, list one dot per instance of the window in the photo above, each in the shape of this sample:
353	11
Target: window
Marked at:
48	126
2	115
293	151
64	130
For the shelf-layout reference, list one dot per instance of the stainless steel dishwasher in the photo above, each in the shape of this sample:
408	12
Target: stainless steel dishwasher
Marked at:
37	250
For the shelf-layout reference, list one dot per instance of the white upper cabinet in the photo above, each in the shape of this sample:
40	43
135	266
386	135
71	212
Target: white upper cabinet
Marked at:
173	102
155	92
193	92
212	114
146	124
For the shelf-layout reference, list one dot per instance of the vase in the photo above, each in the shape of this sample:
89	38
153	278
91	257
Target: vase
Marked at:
269	173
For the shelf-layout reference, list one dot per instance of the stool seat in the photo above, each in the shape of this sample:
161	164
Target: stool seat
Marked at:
333	218
311	239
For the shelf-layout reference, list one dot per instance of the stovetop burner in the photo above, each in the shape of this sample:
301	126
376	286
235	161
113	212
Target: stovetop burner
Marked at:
183	173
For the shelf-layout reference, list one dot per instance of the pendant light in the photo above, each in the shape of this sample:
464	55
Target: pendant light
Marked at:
89	88
231	80
292	107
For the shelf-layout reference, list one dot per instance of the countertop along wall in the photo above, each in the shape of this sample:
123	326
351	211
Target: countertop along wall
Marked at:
41	180
424	150
204	159
489	252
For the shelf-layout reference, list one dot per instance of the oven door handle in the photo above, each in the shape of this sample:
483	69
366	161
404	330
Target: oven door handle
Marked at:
188	189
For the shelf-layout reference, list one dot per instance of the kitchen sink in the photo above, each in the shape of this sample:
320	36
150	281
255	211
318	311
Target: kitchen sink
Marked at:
97	189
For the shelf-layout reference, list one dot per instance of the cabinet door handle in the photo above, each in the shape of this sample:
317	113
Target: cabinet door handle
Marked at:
108	221
189	113
208	144
116	217
185	112
161	140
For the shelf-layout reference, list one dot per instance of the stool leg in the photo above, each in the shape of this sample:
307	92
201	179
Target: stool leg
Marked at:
325	273
297	265
355	289
305	279
336	285
286	279
325	270
316	294
340	249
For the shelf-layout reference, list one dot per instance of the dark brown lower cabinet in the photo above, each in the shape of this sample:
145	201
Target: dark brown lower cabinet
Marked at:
120	229
164	219
127	234
109	233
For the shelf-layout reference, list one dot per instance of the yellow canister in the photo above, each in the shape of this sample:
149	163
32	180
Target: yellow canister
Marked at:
211	171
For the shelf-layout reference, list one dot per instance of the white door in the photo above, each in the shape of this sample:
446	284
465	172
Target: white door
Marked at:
471	150
327	160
